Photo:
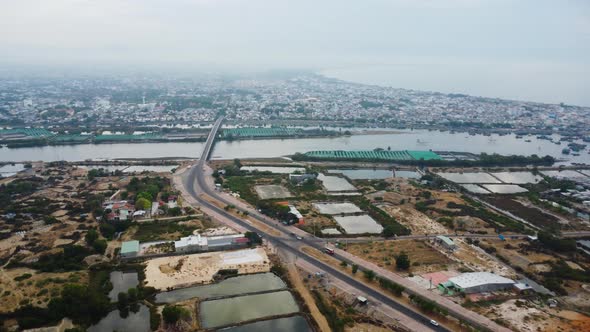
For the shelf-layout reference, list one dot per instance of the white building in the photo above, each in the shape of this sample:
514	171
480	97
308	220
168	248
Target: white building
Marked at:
478	282
191	243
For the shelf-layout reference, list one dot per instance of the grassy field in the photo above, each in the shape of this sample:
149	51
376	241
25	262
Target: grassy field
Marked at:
161	230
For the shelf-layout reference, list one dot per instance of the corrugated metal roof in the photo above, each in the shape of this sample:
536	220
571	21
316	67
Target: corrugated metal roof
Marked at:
474	279
446	240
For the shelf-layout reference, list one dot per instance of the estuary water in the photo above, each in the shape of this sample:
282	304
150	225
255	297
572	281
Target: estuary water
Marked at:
267	148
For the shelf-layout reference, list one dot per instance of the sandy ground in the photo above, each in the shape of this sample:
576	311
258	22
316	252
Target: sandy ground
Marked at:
478	260
383	254
181	271
532	261
529	317
12	292
311	216
364	327
416	221
297	277
11	242
222	230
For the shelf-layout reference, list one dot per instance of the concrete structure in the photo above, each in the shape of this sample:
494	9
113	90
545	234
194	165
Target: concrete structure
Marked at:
198	243
299	178
446	242
129	249
293	210
120	210
476	282
584	246
155	208
191	243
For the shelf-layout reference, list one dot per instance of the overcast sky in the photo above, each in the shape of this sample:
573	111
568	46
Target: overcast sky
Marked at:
522	49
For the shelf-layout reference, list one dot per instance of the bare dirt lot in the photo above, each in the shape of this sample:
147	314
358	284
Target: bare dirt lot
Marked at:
517	255
526	316
180	271
423	258
416	221
272	191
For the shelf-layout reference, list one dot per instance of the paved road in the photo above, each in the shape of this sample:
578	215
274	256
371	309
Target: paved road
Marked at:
196	185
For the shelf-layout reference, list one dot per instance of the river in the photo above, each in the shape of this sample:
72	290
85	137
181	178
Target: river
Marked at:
400	140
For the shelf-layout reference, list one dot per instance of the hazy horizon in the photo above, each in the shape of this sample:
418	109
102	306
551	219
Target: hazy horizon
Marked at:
523	50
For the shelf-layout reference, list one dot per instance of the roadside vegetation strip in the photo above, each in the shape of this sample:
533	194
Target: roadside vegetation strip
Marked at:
316	313
367	276
336	322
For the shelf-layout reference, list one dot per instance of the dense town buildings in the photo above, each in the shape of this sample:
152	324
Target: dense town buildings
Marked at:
131	102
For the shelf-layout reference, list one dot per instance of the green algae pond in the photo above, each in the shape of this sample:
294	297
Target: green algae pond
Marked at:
228	311
252	283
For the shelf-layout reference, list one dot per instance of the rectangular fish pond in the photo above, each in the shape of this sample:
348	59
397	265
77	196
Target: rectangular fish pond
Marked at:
287	324
230	311
245	284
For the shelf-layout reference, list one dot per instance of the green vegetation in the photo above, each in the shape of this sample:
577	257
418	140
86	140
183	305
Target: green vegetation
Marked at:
16	188
22	277
336	322
427	305
157	230
280	212
369	274
84	304
143	204
254	238
99	245
475	209
148	187
173	313
243	185
155	318
71	259
97	172
109	228
556	244
391	286
390	225
402	261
